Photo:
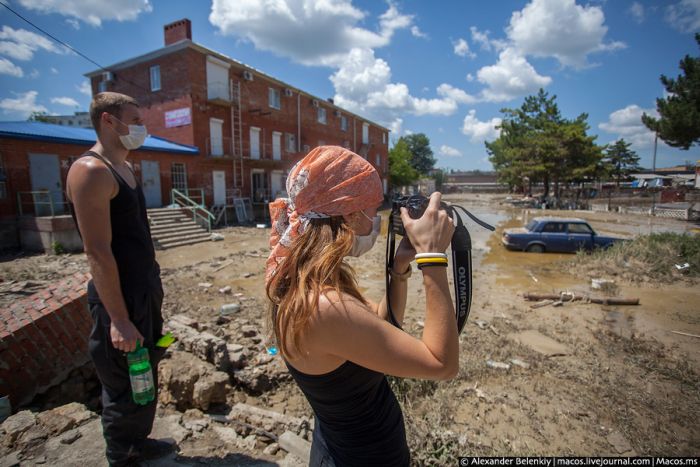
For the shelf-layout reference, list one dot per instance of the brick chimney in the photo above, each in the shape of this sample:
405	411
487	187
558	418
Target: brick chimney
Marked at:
177	31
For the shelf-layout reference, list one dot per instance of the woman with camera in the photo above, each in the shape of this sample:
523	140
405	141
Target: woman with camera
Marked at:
337	344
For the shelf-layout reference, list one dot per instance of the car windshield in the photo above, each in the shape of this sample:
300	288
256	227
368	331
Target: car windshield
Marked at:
531	225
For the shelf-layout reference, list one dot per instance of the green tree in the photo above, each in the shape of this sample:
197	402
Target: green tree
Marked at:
537	144
401	173
620	160
421	155
38	117
439	175
679	122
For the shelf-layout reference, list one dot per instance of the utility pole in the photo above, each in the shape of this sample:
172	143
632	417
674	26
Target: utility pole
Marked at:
653	170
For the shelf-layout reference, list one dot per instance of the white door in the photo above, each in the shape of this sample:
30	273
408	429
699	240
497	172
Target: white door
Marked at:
219	179
276	146
277	184
150	182
45	173
216	140
254	143
365	133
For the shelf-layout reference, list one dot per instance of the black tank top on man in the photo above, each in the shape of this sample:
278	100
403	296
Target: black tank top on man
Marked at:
358	415
132	245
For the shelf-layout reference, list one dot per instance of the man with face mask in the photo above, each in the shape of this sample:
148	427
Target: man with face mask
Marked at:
125	294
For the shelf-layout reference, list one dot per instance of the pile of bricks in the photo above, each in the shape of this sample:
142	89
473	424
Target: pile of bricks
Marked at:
44	337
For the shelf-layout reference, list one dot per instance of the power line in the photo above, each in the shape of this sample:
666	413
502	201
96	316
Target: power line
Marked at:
54	38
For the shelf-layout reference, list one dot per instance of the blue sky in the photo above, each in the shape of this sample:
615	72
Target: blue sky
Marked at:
442	68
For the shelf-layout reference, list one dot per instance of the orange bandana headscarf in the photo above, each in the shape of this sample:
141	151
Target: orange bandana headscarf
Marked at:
329	181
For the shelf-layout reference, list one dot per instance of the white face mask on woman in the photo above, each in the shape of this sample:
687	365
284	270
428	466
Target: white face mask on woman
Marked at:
363	243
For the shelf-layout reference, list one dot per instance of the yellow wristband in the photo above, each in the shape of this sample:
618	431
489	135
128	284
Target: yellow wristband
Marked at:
431	260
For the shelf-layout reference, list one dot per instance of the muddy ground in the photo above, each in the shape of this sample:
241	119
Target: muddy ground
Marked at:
587	379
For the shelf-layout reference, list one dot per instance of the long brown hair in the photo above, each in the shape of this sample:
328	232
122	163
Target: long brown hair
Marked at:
315	264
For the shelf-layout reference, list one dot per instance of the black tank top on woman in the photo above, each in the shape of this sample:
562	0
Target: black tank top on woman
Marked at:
358	415
132	245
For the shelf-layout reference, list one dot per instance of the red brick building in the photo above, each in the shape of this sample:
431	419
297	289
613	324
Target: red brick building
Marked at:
35	157
250	127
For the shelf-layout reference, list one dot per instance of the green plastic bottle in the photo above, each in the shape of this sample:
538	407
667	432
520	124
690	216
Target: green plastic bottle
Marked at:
141	375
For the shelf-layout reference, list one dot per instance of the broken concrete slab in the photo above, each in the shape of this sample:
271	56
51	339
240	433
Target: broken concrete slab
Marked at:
295	445
540	343
16	425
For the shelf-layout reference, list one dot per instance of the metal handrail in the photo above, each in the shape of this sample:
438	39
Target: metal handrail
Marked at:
186	202
44	194
195	194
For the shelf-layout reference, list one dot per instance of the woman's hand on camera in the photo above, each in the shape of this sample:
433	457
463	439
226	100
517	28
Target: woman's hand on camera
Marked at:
431	233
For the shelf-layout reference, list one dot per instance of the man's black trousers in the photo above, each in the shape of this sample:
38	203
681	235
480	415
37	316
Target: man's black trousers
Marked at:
125	424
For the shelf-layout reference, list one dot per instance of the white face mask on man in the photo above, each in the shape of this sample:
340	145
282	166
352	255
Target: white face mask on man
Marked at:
363	243
135	138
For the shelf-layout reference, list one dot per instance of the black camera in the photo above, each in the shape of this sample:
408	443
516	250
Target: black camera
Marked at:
416	205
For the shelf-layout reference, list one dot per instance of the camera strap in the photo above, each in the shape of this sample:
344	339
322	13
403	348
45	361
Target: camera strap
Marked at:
461	245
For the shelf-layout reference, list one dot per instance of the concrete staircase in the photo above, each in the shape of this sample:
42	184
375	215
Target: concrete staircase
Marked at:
174	227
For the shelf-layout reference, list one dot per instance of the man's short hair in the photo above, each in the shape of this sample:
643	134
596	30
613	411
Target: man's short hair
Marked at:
110	102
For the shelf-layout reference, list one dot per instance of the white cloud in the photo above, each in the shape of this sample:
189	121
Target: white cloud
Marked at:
9	68
67	101
448	151
684	15
23	106
85	88
512	76
479	131
416	32
455	94
627	123
470	77
560	29
461	48
336	27
34	74
92	12
636	11
21	44
73	23
54	71
486	43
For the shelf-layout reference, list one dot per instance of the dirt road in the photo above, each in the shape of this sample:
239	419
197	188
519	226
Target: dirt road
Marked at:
579	379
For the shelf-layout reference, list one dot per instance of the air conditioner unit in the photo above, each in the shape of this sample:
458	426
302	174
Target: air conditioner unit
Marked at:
337	113
107	76
314	102
247	75
287	92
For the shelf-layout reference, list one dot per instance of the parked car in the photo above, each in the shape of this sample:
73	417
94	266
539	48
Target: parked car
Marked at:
555	234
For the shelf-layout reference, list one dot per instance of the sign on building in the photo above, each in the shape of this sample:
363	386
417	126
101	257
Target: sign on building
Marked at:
178	117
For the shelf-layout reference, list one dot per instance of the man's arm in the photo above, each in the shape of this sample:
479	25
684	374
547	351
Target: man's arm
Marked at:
91	186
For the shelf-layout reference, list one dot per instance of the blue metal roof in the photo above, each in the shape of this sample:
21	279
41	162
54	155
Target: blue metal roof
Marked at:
38	131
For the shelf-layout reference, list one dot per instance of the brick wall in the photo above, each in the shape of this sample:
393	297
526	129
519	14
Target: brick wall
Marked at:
15	157
42	338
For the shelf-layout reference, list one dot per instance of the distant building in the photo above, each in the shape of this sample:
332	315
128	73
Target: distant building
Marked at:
250	127
79	120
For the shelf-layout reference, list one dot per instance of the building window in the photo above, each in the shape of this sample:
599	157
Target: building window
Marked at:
290	142
178	173
321	115
343	123
365	133
379	161
3	180
102	86
274	97
155	78
261	193
383	138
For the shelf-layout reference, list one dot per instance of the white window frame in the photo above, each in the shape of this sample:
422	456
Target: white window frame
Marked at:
180	176
102	86
155	78
290	142
343	123
321	115
379	161
274	98
365	133
383	138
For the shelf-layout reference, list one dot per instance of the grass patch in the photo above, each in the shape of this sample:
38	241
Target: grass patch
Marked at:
646	258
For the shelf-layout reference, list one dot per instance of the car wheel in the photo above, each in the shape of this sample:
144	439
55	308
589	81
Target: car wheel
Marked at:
536	248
